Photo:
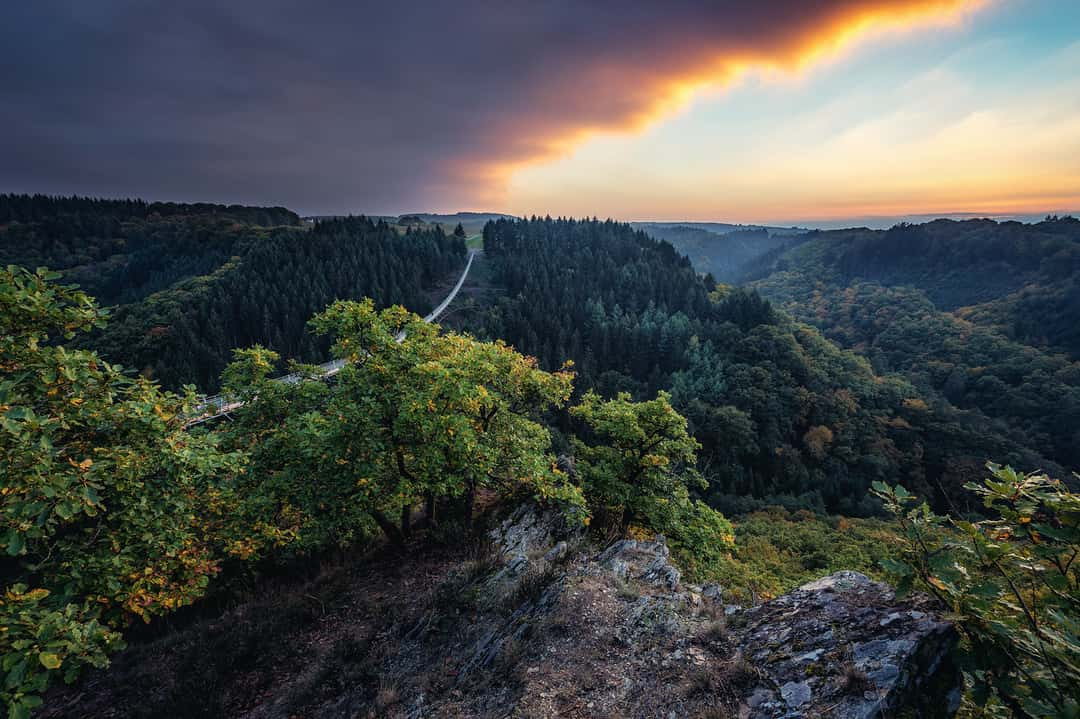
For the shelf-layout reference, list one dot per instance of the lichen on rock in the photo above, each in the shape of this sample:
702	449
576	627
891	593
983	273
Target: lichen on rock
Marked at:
844	646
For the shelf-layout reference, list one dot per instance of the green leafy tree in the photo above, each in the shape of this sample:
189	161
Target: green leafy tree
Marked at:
413	417
639	470
108	509
1012	582
642	459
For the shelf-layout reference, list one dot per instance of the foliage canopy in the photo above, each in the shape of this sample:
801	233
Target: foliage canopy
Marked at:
1012	582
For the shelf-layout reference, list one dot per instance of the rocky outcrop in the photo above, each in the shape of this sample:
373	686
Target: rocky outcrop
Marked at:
650	559
529	530
841	646
537	622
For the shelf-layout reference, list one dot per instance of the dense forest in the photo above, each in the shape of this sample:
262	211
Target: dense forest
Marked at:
980	316
783	415
654	401
122	250
191	282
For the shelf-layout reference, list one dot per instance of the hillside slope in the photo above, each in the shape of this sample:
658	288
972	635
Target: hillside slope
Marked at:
1018	279
784	416
899	298
724	251
540	623
191	282
123	250
268	291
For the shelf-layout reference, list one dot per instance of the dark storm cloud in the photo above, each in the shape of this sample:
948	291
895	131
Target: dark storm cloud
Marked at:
328	106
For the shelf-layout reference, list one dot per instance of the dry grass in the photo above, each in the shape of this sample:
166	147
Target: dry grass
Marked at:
710	609
387	696
854	680
508	660
713	632
481	559
715	712
530	587
626	590
702	681
740	673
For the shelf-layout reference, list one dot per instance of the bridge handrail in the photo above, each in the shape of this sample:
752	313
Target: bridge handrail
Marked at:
222	405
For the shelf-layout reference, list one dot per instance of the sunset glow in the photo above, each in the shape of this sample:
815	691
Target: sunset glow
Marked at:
771	111
945	148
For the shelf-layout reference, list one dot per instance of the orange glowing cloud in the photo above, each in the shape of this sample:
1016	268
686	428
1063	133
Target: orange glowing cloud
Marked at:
655	71
379	107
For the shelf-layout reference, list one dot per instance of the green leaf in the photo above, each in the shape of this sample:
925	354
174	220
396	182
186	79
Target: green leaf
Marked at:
904	587
50	660
15	543
985	590
893	566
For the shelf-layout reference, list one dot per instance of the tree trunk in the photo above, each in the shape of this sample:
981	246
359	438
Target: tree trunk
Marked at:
389	528
429	510
470	499
627	518
406	520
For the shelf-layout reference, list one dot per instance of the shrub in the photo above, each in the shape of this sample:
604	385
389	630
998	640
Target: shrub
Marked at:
640	470
779	550
109	510
1012	582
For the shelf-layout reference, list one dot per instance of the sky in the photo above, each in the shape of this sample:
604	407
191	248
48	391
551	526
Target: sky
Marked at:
776	111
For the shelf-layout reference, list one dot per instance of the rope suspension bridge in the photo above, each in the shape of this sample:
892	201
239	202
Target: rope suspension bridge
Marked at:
218	405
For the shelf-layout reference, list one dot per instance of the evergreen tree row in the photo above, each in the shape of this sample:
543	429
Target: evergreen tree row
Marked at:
123	250
189	282
266	294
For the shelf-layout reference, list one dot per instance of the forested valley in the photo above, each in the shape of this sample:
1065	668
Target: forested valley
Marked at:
784	415
723	251
189	283
770	431
980	316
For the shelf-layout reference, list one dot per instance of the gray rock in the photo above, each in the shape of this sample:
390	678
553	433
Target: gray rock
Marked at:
844	646
660	573
512	571
647	561
526	530
557	552
796	693
712	591
761	698
618	567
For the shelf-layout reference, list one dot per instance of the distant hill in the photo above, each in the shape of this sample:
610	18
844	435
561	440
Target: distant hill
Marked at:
1023	280
724	250
472	222
982	315
462	216
189	283
884	222
123	250
722	227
